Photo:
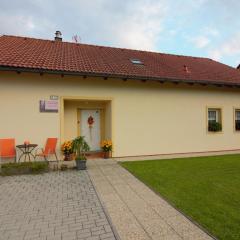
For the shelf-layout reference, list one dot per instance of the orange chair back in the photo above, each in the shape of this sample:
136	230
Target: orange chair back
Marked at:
7	147
50	147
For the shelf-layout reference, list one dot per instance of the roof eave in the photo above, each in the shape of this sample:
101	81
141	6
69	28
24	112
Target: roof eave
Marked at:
121	76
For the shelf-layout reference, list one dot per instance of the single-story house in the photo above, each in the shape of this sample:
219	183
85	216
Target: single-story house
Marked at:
147	103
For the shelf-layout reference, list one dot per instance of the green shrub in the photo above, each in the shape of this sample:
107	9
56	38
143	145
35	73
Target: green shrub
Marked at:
214	126
39	167
23	168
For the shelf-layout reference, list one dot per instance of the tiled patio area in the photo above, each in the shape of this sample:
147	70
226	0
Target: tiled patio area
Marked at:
57	206
136	211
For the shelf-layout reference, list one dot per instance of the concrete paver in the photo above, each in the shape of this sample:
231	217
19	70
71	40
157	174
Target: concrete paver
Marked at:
135	210
56	206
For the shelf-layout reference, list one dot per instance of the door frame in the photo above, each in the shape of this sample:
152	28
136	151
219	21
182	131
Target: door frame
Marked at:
102	120
63	98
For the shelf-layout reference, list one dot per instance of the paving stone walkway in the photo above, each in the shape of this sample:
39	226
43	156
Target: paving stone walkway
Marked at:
136	211
56	206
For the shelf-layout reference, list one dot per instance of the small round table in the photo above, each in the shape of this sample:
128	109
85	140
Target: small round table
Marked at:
26	150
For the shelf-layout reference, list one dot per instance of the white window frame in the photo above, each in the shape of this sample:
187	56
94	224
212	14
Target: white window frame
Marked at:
237	110
218	119
217	113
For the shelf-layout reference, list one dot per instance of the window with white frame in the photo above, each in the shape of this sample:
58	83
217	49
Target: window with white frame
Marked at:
214	120
237	119
212	115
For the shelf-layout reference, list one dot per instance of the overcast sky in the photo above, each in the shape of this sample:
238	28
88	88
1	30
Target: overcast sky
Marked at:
208	28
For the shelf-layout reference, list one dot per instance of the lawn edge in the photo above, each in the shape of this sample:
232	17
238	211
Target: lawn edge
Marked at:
169	202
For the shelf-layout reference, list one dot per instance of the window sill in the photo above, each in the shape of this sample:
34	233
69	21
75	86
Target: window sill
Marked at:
212	132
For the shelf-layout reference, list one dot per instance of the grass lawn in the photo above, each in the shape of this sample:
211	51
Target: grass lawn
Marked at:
207	189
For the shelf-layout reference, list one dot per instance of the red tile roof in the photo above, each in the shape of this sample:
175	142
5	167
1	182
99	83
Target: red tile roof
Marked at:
65	57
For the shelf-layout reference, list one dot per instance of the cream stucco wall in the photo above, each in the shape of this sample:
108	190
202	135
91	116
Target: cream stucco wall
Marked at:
146	118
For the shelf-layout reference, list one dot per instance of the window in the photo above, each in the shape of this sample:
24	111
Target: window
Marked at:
237	119
136	61
214	120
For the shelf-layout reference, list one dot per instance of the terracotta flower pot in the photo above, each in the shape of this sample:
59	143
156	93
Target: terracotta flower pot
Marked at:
26	142
67	157
106	155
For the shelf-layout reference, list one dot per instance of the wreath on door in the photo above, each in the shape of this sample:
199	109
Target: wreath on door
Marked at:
90	121
90	124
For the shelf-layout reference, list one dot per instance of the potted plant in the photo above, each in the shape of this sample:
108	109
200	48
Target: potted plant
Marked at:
67	150
106	146
214	126
80	147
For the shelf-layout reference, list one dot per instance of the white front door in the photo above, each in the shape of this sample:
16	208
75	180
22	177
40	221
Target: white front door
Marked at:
90	128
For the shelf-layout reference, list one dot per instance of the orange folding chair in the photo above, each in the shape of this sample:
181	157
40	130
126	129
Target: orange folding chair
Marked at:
50	149
7	148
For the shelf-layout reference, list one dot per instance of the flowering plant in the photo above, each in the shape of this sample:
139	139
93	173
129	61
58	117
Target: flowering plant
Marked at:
67	147
106	145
